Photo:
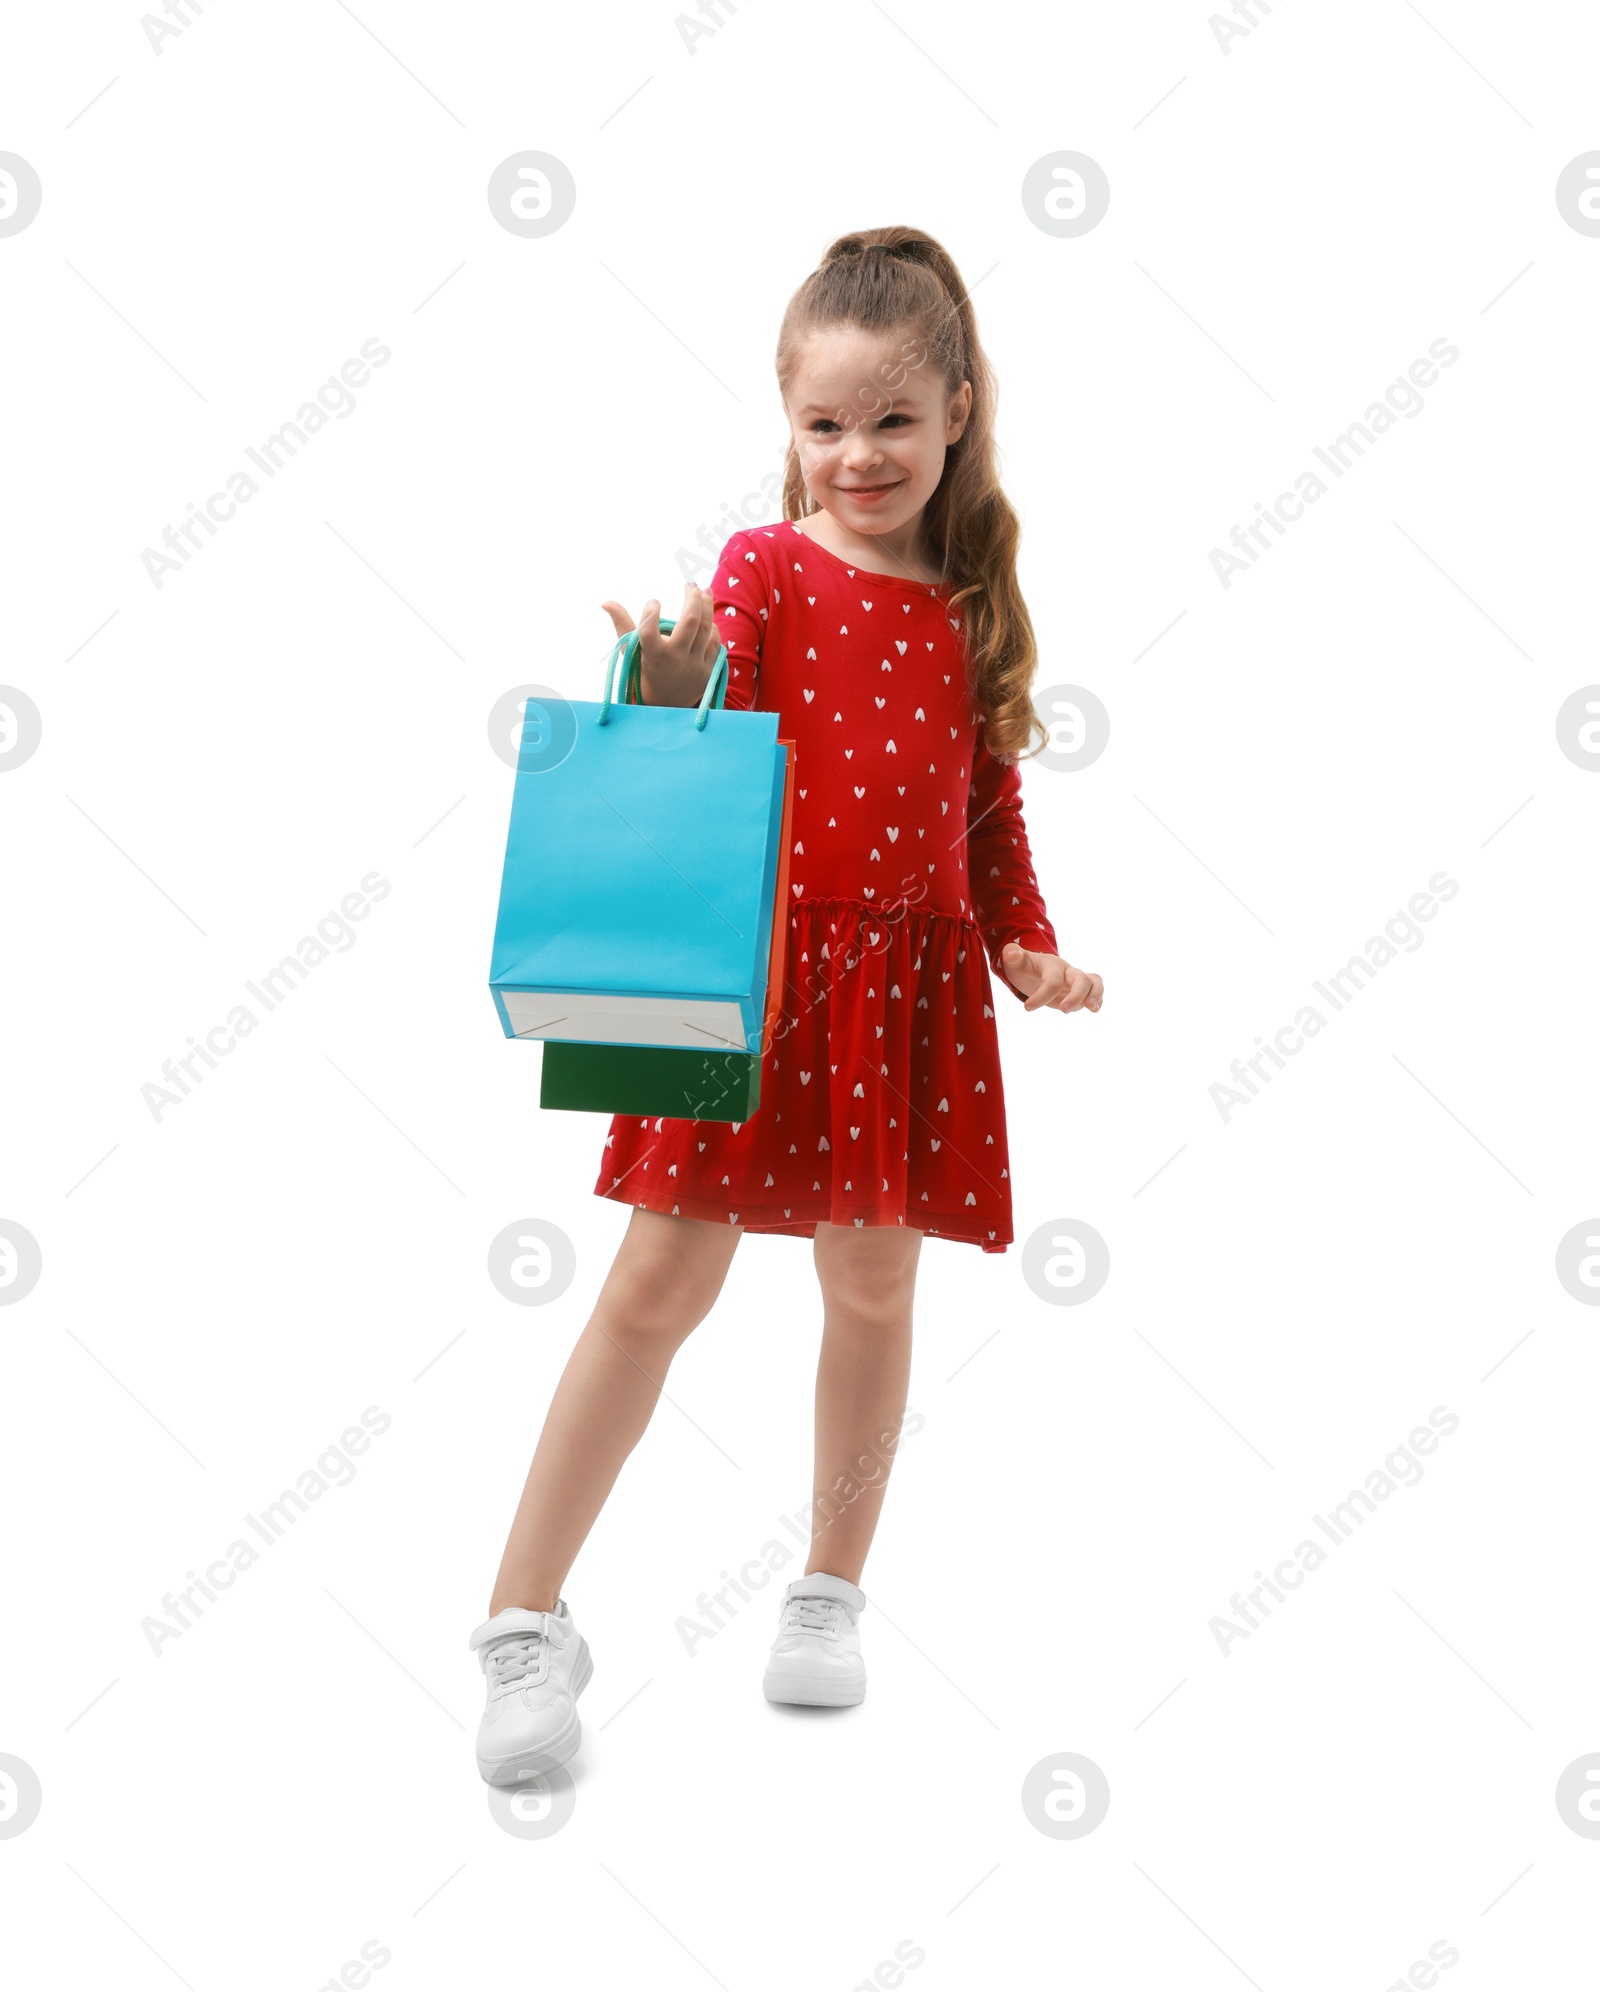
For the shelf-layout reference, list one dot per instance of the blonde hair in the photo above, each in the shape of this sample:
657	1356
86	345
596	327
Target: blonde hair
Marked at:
880	280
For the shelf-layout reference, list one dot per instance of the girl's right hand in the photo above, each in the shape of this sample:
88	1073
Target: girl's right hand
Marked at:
673	669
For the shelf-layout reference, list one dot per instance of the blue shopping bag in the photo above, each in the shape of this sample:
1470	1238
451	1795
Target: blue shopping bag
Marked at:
636	902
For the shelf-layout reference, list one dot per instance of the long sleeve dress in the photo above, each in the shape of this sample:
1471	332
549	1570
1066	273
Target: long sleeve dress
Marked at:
881	1100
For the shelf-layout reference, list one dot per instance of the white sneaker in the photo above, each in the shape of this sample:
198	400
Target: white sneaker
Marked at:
816	1657
536	1664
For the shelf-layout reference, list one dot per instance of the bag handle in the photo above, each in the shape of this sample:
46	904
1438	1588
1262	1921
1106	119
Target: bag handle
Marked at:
716	683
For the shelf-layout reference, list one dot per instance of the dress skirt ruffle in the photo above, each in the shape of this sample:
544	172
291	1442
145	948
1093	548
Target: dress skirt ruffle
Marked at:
881	1100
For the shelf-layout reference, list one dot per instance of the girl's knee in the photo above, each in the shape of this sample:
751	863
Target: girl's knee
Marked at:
869	1282
664	1283
654	1309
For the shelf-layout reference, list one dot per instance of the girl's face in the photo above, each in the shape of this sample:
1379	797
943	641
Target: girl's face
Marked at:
871	422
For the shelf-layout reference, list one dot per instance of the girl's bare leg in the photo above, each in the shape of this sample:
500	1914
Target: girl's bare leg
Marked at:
667	1273
868	1277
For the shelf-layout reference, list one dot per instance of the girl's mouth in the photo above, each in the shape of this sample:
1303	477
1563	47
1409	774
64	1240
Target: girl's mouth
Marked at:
867	494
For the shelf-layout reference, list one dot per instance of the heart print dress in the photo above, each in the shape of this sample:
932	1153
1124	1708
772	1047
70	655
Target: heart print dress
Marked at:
909	869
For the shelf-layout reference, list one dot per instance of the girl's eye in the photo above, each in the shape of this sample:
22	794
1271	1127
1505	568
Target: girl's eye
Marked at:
825	426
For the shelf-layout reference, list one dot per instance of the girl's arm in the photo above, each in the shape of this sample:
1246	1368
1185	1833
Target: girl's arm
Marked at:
1006	901
742	592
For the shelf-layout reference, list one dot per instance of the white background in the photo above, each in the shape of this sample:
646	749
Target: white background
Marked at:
225	757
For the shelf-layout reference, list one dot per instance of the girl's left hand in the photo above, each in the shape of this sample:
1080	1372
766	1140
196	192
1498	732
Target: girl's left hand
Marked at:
1048	982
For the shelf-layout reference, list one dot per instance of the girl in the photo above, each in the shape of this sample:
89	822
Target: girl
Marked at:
882	620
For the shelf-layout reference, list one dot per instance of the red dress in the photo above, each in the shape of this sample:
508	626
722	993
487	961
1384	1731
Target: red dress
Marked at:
881	1100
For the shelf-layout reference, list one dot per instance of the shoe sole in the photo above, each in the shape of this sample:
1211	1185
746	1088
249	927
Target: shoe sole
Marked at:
526	1765
813	1693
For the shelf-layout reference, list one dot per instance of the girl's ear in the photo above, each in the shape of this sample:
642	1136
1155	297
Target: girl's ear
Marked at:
960	409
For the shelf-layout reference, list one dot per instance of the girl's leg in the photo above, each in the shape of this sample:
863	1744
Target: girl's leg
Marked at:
667	1273
868	1277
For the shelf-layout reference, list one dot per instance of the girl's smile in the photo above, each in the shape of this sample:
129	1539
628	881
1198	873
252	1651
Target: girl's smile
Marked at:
866	494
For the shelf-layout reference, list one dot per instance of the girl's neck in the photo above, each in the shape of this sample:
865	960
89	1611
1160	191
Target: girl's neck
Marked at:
902	552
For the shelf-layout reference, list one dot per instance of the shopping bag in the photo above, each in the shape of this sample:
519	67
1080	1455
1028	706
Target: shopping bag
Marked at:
664	1079
649	1079
636	900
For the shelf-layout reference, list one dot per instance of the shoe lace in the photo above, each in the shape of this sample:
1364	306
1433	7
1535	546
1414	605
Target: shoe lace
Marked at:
814	1615
511	1660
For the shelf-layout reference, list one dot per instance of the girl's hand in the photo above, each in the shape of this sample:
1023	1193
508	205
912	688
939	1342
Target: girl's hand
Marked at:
673	669
1048	982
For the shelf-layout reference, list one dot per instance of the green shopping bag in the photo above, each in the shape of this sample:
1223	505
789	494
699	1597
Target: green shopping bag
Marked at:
649	1079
